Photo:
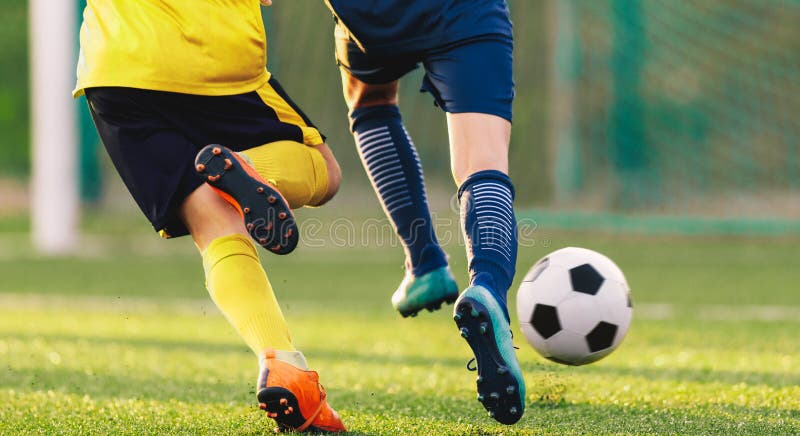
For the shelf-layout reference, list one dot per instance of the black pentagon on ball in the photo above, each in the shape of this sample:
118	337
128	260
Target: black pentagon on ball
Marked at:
585	279
601	336
545	320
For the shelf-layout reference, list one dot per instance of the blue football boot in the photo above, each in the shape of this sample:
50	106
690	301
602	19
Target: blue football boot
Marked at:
483	323
427	291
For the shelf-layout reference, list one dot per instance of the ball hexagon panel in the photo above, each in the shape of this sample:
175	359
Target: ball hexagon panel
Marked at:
567	347
548	288
585	279
601	337
544	320
580	313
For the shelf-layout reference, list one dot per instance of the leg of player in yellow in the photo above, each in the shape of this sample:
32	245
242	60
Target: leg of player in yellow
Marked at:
239	286
305	175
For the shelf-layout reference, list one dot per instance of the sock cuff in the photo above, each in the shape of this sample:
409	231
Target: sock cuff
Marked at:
225	246
486	175
373	116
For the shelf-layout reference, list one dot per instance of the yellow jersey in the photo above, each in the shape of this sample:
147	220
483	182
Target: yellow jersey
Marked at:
202	47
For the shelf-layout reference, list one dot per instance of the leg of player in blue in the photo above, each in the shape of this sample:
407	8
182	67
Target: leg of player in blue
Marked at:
469	74
393	166
481	312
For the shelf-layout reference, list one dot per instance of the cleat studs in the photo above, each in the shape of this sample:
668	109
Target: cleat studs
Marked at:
464	332
457	317
484	327
289	410
213	179
284	402
272	415
480	398
510	390
260	190
262	406
246	210
494	396
262	241
272	199
228	164
512	410
200	168
216	151
276	247
474	312
502	370
282	215
479	379
250	227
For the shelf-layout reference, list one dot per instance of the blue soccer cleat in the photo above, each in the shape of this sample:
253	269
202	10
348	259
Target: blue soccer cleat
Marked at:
427	291
482	322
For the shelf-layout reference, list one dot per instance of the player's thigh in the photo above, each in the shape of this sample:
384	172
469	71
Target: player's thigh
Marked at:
154	160
367	79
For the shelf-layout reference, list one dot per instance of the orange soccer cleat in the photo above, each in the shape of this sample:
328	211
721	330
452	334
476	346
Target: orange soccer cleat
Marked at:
294	398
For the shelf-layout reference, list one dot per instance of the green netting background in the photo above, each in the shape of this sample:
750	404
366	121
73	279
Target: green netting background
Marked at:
685	108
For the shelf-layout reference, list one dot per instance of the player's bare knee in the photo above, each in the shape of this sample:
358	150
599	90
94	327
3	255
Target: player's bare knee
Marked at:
360	94
334	175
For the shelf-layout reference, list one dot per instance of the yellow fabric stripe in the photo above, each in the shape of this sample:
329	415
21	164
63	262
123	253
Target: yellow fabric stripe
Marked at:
287	114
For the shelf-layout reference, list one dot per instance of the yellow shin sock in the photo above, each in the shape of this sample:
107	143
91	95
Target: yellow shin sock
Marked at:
296	169
239	287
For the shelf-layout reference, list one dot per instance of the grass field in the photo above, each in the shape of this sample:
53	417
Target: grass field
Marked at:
124	340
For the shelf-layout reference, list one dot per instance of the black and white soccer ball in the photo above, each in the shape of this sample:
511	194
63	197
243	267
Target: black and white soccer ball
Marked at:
574	306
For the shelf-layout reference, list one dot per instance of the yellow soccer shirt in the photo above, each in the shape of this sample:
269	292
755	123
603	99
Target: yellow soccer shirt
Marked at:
202	47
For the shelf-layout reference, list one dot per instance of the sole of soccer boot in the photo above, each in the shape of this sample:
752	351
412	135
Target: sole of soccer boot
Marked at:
500	390
267	215
282	406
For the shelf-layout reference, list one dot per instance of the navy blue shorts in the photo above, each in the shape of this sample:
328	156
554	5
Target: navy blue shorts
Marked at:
152	138
471	75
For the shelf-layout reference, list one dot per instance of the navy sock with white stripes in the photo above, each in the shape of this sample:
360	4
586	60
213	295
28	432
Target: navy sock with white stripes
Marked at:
490	231
393	167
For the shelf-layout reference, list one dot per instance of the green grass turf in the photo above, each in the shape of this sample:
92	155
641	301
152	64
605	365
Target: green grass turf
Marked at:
123	340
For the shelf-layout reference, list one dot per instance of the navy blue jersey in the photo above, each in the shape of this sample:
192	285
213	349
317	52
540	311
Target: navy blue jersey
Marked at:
404	26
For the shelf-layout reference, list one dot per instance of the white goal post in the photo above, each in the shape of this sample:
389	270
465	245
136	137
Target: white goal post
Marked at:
54	137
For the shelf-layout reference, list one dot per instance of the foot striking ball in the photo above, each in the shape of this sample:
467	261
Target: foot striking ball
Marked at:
574	306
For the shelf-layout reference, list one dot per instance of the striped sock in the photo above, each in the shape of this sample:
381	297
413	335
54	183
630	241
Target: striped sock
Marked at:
393	167
490	230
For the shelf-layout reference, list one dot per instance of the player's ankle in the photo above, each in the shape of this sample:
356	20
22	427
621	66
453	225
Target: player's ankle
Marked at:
432	257
294	358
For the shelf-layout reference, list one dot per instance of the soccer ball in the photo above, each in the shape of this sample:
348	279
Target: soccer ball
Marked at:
574	306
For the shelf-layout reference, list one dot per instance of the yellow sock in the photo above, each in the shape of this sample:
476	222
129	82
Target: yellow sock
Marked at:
296	169
239	286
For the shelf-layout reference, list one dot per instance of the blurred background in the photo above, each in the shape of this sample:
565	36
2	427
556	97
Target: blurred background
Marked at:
630	115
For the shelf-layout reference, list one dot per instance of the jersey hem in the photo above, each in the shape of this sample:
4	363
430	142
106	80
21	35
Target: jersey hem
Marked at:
182	88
